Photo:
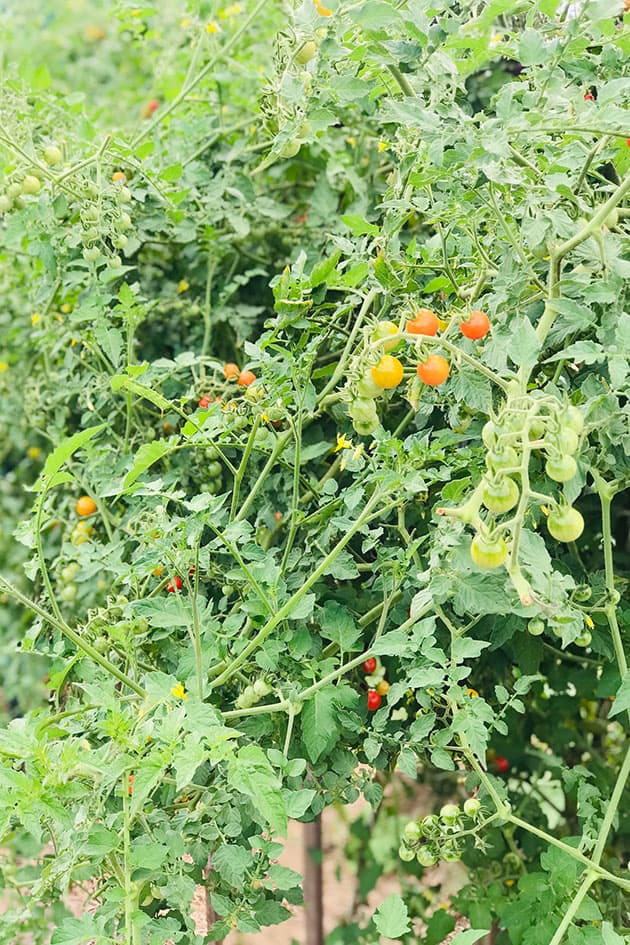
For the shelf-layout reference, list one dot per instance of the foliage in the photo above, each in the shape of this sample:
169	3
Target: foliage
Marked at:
283	188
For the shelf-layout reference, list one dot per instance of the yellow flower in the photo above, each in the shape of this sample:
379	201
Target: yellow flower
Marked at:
35	319
233	10
382	146
73	342
66	308
352	141
183	286
179	692
321	9
472	693
544	510
212	27
510	882
4	366
34	452
589	622
358	451
343	443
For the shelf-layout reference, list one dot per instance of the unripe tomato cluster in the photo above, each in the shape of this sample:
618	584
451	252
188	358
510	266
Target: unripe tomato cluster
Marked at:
377	684
105	223
526	424
437	837
21	185
253	694
386	371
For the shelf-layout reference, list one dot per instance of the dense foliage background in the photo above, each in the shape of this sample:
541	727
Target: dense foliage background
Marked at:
282	187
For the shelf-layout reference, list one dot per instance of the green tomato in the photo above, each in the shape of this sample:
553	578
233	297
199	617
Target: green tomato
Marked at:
382	332
561	468
14	190
306	52
573	418
123	222
367	389
69	592
536	626
412	832
405	854
500	460
566	441
114	262
582	593
90	215
214	469
500	495
537	429
584	639
31	185
261	688
489	434
565	523
89	235
52	155
291	148
426	857
363	411
119	240
123	195
451	853
366	428
70	572
472	807
429	825
214	486
450	814
5	203
488	552
91	253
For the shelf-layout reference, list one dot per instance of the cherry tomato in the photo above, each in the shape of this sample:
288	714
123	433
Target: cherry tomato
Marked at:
477	326
584	639
589	97
131	779
405	854
204	402
174	584
5	203
488	552
500	495
566	441
363	410
383	687
152	105
52	155
472	807
565	523
69	592
373	700
31	185
434	370
536	626
573	418
388	372
425	323
306	52
231	371
501	764
85	506
245	378
561	468
426	857
382	333
366	388
412	832
91	253
119	176
500	460
369	665
450	814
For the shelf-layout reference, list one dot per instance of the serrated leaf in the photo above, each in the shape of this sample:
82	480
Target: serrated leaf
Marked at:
469	937
147	455
319	722
64	451
392	918
250	773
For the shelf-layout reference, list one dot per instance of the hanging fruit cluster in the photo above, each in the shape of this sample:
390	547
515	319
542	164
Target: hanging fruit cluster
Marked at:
376	682
387	371
440	837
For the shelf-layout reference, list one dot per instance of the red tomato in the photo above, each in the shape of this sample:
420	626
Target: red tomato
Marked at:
369	665
152	105
501	764
174	584
132	778
373	700
246	378
477	326
204	402
425	323
589	97
434	370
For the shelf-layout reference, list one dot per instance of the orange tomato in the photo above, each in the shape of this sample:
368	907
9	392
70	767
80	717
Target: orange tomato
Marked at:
388	372
425	323
383	687
245	378
434	370
477	326
231	371
85	506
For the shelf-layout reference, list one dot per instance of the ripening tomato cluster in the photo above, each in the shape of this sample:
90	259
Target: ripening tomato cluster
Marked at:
432	369
525	425
253	694
377	684
437	836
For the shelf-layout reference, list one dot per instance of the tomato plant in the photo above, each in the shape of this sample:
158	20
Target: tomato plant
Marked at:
330	575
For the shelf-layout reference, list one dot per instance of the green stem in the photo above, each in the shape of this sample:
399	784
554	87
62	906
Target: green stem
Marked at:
612	807
240	472
209	67
573	908
402	81
73	636
286	609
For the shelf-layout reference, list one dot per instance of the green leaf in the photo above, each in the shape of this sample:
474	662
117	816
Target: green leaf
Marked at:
469	937
172	172
250	773
523	345
359	225
64	451
147	455
232	862
622	698
392	918
319	723
124	382
79	931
